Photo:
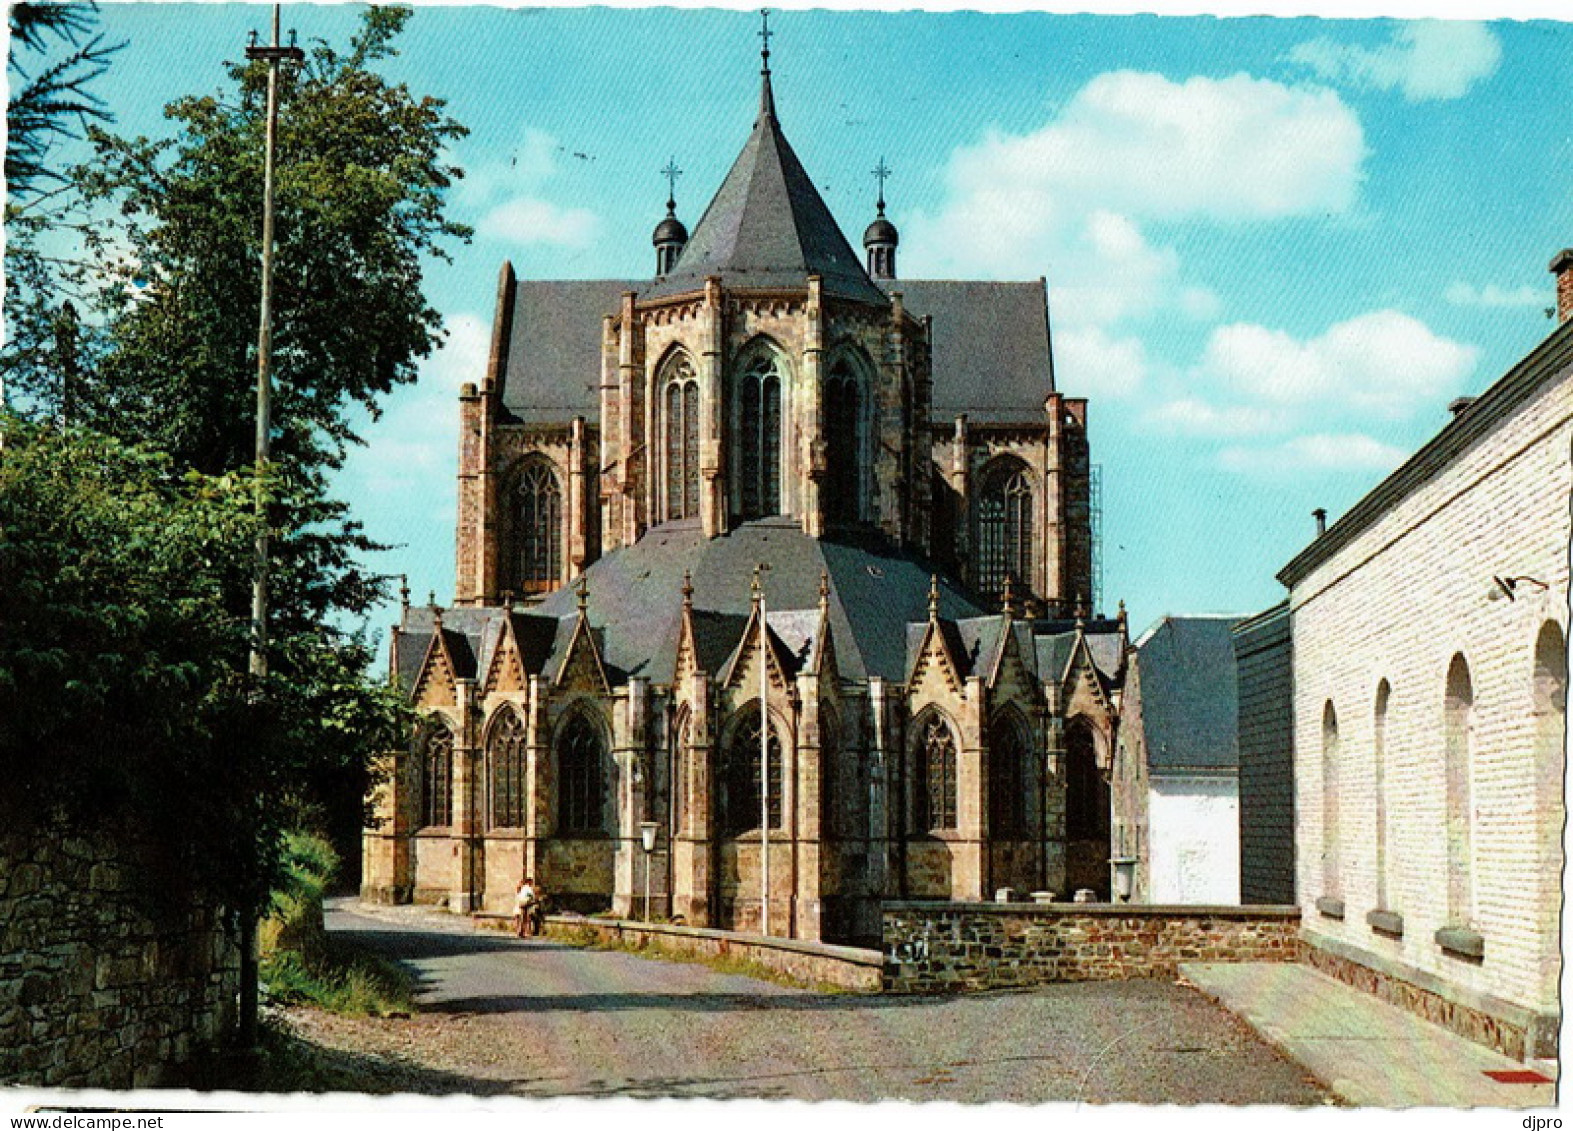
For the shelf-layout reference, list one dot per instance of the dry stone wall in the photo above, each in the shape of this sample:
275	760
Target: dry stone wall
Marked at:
104	983
946	947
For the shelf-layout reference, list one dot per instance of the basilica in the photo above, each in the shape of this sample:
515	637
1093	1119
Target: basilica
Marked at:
774	592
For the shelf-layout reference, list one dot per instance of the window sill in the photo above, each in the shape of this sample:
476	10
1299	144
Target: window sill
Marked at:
1461	942
1330	908
1389	923
434	831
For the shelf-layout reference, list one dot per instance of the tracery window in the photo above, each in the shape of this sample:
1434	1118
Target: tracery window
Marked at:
581	777
682	440
759	438
436	775
844	444
739	800
505	762
1086	793
936	758
1005	528
1009	780
540	538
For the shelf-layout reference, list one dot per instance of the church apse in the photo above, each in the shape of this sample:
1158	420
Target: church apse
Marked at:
774	450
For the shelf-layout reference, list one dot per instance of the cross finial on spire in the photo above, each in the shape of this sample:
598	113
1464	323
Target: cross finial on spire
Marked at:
1009	599
824	590
688	591
881	174
404	591
757	589
671	173
583	589
767	99
933	596
764	34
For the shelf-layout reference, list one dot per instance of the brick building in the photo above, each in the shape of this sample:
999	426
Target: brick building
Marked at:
772	458
1429	630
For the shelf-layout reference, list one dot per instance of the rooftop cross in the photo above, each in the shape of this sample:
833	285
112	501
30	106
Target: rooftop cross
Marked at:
764	34
671	173
881	174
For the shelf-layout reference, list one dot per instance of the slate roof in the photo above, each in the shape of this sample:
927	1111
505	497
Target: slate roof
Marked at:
768	227
1189	694
552	370
635	594
992	359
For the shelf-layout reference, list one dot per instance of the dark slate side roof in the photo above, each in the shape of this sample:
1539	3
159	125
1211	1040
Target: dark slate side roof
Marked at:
1189	693
767	226
991	347
635	594
552	372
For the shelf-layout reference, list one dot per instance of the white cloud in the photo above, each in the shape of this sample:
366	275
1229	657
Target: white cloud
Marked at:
411	450
1491	295
1096	365
1384	362
1317	452
513	202
1194	417
1425	60
531	220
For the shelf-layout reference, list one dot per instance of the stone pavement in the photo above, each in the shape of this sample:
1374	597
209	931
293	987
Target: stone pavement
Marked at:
1368	1052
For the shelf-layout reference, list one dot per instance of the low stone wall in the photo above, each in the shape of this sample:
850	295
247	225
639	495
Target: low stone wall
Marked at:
1513	1030
103	984
806	963
947	947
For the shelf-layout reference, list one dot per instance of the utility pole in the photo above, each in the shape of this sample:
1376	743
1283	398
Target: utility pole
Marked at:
764	754
273	55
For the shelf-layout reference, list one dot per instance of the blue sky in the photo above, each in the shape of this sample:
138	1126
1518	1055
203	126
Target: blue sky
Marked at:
1276	248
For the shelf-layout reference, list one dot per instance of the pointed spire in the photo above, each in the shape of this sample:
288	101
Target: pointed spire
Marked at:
688	592
756	589
1122	616
1008	600
933	596
824	591
431	598
767	99
1081	614
404	591
583	589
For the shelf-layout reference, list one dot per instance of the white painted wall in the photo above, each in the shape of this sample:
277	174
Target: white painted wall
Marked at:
1193	827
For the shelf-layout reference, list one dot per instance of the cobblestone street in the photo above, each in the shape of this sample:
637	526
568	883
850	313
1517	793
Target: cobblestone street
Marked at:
538	1018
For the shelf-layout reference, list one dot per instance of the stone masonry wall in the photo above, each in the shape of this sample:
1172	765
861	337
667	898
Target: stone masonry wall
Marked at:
101	985
946	947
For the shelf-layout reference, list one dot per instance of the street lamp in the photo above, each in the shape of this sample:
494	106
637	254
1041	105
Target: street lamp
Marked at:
647	831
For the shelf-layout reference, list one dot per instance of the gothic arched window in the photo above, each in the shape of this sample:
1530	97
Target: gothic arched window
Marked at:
1009	780
843	436
581	777
681	439
540	538
759	437
505	761
1005	528
436	755
936	784
739	797
1086	793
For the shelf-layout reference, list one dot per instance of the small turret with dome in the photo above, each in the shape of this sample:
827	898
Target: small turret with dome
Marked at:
881	237
670	236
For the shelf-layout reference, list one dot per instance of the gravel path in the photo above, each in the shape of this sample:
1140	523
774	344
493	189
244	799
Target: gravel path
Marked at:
538	1018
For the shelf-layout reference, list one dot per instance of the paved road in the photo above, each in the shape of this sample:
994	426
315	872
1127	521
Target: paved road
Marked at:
535	1017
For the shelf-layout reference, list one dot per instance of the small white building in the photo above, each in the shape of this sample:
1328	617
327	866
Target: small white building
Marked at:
1176	774
1430	660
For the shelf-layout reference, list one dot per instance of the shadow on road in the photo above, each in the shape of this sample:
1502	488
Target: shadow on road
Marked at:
691	1003
414	945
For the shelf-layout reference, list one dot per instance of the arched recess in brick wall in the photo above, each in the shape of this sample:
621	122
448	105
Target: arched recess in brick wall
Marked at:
1458	725
506	754
1332	882
1384	696
1550	704
434	748
682	787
